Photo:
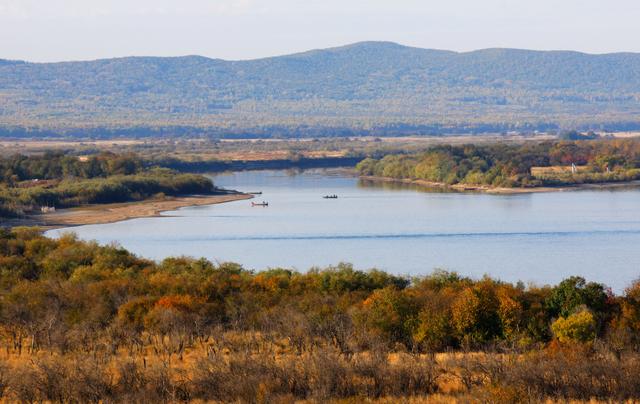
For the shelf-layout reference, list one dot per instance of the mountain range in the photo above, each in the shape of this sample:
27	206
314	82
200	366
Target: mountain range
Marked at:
377	88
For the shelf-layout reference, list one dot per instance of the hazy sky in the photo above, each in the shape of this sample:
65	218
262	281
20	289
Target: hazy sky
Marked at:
54	30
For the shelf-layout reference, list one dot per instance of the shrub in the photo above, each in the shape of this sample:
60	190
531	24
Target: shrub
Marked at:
578	327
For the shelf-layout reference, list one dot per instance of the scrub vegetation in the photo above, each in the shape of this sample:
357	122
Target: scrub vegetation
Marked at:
80	322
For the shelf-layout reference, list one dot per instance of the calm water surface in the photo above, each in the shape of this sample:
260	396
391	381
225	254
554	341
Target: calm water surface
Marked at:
539	238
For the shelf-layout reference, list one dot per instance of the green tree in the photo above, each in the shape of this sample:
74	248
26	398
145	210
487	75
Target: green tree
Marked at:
574	292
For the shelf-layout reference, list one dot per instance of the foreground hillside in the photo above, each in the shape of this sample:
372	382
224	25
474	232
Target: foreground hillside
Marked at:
372	87
81	322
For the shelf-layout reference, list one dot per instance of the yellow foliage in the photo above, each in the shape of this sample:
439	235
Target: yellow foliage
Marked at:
578	327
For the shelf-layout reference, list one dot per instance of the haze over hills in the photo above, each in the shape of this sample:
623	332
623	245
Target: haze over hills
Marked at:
366	88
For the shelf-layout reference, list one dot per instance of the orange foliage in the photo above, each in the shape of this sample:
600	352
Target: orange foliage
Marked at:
185	303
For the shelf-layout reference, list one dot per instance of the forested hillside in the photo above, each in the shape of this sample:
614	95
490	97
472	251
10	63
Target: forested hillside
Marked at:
374	88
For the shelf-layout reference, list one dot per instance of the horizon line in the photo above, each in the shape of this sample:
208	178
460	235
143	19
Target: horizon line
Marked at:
330	48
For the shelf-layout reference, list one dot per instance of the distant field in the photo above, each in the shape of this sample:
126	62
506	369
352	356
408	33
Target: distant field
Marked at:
555	170
261	155
257	149
626	134
66	143
165	151
38	146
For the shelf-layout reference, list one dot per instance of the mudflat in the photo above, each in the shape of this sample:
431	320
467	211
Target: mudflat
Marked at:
115	212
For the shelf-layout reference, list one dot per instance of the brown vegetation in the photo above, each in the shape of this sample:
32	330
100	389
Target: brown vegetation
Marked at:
233	366
86	323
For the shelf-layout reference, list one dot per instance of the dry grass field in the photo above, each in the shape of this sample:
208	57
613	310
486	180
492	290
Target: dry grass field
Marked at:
586	176
243	367
623	135
556	170
34	146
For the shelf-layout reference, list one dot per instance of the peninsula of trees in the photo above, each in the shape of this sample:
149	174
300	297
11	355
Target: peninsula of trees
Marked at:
526	165
60	180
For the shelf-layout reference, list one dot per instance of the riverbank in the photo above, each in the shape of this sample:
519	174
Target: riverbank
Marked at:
115	212
501	190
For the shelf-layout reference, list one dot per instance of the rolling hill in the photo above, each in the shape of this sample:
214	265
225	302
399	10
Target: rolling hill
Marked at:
366	88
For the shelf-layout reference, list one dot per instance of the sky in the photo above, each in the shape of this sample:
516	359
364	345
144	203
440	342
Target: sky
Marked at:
59	30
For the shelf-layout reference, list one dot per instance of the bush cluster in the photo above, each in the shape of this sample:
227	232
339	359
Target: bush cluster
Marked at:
57	290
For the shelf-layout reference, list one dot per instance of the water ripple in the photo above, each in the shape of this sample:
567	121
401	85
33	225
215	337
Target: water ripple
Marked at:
413	235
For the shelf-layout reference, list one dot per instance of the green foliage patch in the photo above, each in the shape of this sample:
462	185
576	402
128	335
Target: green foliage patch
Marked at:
60	180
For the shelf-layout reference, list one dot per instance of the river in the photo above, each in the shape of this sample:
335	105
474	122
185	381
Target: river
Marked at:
538	238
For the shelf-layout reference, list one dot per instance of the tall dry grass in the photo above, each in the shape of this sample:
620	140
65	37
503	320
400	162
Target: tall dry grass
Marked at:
259	368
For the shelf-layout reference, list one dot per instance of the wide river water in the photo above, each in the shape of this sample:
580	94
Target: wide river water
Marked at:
540	238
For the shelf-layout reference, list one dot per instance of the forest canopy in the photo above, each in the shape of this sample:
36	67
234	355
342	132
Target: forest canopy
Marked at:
373	88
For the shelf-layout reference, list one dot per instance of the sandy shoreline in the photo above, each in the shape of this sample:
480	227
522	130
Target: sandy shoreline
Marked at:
115	212
502	190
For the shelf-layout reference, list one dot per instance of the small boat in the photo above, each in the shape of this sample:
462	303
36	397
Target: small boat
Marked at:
265	204
255	193
330	197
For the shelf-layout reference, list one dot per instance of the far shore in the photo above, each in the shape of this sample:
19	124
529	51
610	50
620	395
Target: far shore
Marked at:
116	212
501	190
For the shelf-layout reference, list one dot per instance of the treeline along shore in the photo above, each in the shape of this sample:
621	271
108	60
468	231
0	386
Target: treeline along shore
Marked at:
501	166
43	183
80	322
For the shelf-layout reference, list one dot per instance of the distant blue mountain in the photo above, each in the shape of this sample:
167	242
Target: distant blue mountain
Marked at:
369	87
